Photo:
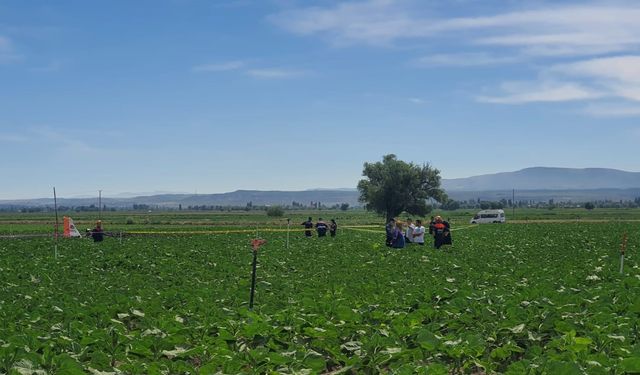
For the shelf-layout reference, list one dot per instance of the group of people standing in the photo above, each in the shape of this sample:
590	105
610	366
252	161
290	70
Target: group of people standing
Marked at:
398	236
321	227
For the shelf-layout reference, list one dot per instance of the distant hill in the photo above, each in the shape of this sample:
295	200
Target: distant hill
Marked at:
236	198
535	184
545	178
545	195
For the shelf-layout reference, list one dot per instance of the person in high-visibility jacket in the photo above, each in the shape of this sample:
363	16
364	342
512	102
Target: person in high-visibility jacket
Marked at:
441	233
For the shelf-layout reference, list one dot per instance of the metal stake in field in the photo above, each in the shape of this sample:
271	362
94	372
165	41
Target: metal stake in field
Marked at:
255	245
513	204
288	228
623	248
55	235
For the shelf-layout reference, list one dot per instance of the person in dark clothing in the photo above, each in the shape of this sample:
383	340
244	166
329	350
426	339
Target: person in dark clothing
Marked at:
431	224
441	233
333	227
397	240
308	225
97	233
321	228
389	228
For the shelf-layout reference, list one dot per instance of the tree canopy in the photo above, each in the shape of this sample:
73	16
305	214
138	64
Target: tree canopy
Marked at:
393	186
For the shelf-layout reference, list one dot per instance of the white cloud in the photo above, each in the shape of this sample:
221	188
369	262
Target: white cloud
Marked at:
232	3
528	92
566	29
613	77
546	33
274	73
371	22
613	110
418	101
220	67
53	138
618	68
463	60
62	141
5	44
7	53
245	67
12	138
53	66
618	75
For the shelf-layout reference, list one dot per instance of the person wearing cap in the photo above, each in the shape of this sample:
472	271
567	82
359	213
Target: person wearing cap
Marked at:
441	233
97	233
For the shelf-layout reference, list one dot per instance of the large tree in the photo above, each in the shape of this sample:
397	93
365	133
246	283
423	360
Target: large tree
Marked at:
393	186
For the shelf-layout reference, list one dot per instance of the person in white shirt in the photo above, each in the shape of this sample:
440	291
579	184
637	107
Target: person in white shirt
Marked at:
418	233
409	231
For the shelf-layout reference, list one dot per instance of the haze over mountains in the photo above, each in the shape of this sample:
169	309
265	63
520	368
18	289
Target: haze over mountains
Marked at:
545	178
537	184
541	184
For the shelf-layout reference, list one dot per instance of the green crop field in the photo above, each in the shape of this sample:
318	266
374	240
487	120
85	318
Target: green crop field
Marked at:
531	297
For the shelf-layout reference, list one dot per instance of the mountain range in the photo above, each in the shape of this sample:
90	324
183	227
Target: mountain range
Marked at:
536	184
545	178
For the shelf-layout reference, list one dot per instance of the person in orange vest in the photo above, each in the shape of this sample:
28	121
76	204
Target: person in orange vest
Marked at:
441	233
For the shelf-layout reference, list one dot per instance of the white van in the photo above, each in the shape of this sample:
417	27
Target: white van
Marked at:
488	216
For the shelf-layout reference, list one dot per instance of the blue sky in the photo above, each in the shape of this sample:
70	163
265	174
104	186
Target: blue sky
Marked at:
214	96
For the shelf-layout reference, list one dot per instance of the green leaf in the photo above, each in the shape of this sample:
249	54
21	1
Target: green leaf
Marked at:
580	344
141	349
427	340
68	365
564	368
631	364
437	369
315	363
516	368
278	359
346	314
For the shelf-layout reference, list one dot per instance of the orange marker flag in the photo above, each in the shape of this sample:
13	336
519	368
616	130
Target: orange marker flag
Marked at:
70	229
256	243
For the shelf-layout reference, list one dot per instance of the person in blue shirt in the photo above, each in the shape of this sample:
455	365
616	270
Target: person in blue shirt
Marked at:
397	240
389	228
308	225
321	228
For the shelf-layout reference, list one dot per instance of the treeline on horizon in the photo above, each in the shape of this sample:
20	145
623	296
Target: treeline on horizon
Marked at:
450	205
